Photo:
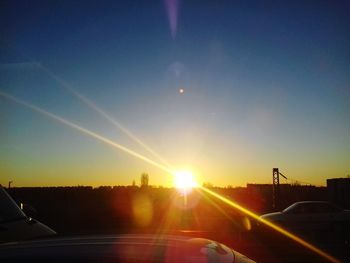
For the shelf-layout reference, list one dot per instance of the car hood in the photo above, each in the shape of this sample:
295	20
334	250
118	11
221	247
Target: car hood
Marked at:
121	248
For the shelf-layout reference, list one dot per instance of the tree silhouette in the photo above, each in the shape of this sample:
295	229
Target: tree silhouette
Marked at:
144	180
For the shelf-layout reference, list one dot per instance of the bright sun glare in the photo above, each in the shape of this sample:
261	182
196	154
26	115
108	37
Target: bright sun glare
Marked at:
184	181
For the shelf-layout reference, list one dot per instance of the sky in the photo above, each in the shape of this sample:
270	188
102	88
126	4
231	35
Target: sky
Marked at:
263	84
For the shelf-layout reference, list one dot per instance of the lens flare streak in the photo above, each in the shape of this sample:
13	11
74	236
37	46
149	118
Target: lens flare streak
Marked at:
172	10
105	115
271	225
85	131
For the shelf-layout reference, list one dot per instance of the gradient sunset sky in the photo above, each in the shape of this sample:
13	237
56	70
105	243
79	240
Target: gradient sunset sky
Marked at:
266	84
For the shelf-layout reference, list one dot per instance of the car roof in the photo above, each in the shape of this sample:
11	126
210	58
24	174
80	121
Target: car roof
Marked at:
312	202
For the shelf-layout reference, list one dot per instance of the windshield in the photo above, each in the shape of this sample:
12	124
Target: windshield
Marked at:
174	116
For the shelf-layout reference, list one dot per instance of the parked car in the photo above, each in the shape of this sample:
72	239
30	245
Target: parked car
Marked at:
311	216
15	224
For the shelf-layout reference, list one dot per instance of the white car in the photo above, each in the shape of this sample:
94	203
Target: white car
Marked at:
311	216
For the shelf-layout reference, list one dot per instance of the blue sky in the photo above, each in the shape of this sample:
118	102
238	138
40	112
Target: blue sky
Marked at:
266	84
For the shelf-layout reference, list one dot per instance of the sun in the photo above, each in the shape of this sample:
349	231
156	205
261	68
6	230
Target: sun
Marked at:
184	181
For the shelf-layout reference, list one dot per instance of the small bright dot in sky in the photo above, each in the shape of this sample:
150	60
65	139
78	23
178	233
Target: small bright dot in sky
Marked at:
181	90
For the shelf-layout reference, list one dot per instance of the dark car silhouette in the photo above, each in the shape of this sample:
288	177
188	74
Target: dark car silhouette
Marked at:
311	216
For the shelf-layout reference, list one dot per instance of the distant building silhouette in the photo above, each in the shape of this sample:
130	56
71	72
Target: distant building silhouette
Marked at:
289	193
339	191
